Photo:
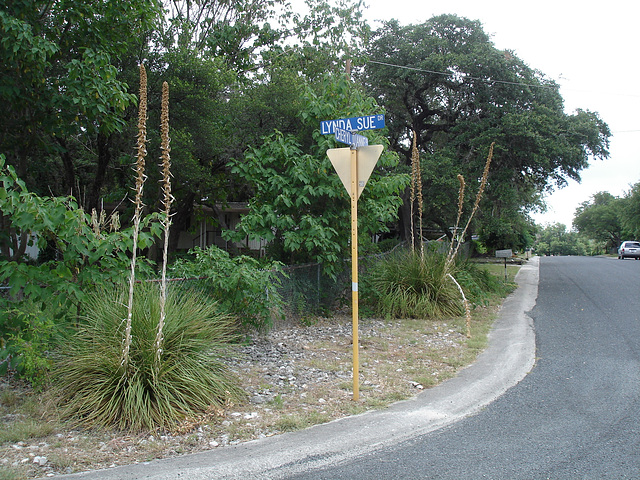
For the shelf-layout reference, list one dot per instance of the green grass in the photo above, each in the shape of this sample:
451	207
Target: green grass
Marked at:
293	422
498	271
10	473
24	430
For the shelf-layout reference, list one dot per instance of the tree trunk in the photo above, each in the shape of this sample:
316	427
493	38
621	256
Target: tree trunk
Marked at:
69	169
104	159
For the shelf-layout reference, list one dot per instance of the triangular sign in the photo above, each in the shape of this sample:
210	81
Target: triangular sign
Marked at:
367	157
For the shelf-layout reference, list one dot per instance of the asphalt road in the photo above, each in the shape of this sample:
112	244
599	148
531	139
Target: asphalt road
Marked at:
575	416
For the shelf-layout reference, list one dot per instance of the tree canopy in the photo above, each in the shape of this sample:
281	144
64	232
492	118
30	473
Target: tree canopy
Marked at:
250	80
610	219
599	218
445	80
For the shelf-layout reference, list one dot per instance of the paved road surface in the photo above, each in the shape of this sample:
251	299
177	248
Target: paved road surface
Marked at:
575	416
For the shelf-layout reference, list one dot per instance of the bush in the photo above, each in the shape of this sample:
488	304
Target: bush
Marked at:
242	285
189	378
479	283
27	336
50	293
405	285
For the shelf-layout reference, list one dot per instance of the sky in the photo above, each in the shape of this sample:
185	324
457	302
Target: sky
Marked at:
591	49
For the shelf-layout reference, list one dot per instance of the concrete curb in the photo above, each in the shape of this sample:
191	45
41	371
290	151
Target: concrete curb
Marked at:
507	360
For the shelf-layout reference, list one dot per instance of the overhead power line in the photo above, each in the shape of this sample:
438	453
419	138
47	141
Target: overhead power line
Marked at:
532	85
450	74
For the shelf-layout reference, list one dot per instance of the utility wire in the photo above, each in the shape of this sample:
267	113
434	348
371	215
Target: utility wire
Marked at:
449	74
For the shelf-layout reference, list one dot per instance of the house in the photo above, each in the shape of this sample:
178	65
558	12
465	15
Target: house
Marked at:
206	229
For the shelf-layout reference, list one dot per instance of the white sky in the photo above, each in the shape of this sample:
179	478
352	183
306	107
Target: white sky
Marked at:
591	48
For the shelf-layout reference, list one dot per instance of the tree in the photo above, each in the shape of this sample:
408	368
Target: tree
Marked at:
629	212
231	31
61	88
599	218
299	204
445	80
554	239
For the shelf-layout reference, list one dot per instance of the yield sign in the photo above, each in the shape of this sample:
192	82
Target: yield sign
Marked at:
367	158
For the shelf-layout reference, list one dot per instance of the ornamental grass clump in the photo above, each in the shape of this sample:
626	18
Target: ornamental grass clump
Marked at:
407	284
189	379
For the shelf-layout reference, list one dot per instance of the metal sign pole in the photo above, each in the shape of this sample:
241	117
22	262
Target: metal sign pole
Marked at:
354	178
354	270
505	269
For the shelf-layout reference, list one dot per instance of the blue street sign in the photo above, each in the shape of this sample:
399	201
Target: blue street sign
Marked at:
354	124
344	136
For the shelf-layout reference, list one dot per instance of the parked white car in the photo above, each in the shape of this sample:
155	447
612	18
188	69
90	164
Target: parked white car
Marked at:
629	250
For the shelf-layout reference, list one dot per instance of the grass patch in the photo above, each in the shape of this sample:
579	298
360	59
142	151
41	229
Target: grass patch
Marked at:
25	430
12	473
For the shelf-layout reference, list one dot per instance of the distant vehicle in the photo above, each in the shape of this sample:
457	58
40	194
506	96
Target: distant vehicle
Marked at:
629	250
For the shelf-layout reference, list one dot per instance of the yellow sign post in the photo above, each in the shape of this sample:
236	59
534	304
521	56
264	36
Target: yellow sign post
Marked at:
354	167
354	271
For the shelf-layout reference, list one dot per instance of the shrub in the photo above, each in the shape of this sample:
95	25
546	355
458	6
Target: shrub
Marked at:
242	285
50	293
186	379
479	283
406	284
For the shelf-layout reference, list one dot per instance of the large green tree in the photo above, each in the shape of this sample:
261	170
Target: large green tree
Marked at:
299	203
445	80
554	239
599	218
63	94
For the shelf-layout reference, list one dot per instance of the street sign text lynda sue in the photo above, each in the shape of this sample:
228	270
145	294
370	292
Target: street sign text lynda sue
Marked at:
354	124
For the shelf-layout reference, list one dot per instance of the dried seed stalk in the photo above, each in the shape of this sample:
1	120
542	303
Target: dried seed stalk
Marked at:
413	193
416	160
483	183
460	205
467	310
165	165
140	179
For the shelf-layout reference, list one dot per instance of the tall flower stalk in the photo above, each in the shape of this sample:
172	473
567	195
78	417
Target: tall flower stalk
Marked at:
483	183
453	251
416	192
167	199
140	179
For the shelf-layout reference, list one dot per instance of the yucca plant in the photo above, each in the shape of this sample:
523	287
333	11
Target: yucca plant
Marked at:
189	377
408	284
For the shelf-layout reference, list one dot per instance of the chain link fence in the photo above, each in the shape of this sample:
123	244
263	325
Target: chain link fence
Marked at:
303	291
